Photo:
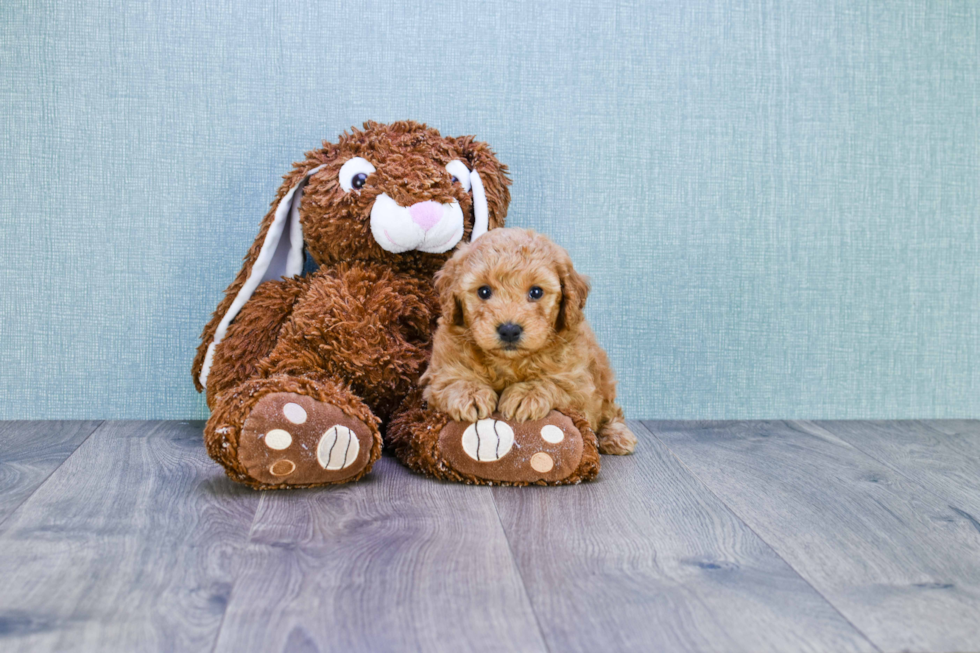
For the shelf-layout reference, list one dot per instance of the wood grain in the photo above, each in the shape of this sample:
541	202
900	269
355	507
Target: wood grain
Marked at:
130	545
138	541
29	452
941	455
899	563
393	562
647	559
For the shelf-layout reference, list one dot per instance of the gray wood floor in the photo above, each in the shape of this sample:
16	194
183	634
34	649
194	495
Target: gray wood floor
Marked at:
734	536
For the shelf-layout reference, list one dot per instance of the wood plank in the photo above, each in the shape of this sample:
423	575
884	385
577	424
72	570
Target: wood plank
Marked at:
941	455
393	562
647	559
897	561
29	452
130	545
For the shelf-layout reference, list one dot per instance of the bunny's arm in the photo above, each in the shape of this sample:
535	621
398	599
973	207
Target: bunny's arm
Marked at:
251	337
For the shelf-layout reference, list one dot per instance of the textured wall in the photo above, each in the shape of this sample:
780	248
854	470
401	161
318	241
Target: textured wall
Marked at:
777	201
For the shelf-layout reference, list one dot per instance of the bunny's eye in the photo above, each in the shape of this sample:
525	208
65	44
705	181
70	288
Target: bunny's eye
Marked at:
460	173
354	174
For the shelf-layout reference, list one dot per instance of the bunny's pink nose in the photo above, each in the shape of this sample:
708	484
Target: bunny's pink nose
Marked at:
425	214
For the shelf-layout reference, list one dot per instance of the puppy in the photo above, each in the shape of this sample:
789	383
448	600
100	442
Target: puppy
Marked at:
512	338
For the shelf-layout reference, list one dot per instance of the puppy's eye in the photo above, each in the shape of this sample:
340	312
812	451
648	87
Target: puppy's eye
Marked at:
484	292
535	293
354	173
454	180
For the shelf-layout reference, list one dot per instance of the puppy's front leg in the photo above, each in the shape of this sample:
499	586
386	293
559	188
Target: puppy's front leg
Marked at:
463	401
529	400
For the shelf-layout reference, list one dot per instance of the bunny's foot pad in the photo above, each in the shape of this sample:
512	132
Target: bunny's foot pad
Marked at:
545	451
290	439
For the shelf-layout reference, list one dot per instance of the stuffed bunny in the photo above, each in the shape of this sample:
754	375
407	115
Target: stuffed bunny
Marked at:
303	371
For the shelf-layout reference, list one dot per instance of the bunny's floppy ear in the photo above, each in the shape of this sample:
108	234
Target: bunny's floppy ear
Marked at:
481	212
489	180
280	255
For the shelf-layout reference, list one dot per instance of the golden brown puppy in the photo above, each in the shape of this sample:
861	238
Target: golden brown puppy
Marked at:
512	337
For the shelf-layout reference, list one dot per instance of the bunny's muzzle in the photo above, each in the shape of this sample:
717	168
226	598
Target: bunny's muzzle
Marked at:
425	226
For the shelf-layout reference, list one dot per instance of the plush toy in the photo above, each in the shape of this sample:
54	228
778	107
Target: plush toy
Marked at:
302	372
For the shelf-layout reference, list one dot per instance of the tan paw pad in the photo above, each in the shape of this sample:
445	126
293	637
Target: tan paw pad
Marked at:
282	468
542	463
338	448
294	413
488	440
552	434
278	439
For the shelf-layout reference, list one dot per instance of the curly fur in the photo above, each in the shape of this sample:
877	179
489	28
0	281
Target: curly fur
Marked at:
356	333
556	364
411	159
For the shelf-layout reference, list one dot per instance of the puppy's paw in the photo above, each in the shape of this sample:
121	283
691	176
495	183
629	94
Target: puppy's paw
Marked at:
522	402
467	402
616	439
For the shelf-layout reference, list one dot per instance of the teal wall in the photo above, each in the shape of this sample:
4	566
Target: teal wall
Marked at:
777	201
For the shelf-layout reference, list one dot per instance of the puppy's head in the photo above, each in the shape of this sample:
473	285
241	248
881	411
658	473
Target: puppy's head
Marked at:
511	292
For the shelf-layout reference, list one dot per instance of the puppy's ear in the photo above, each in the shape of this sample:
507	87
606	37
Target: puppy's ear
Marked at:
457	316
491	197
445	283
574	291
276	253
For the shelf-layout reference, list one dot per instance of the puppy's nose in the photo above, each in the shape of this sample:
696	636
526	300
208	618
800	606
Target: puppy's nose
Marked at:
510	332
425	214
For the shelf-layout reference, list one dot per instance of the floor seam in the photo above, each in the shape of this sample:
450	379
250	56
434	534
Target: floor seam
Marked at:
741	519
948	501
224	613
517	568
247	545
98	427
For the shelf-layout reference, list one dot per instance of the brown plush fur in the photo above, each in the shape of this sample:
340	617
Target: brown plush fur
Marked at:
410	160
556	364
356	333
